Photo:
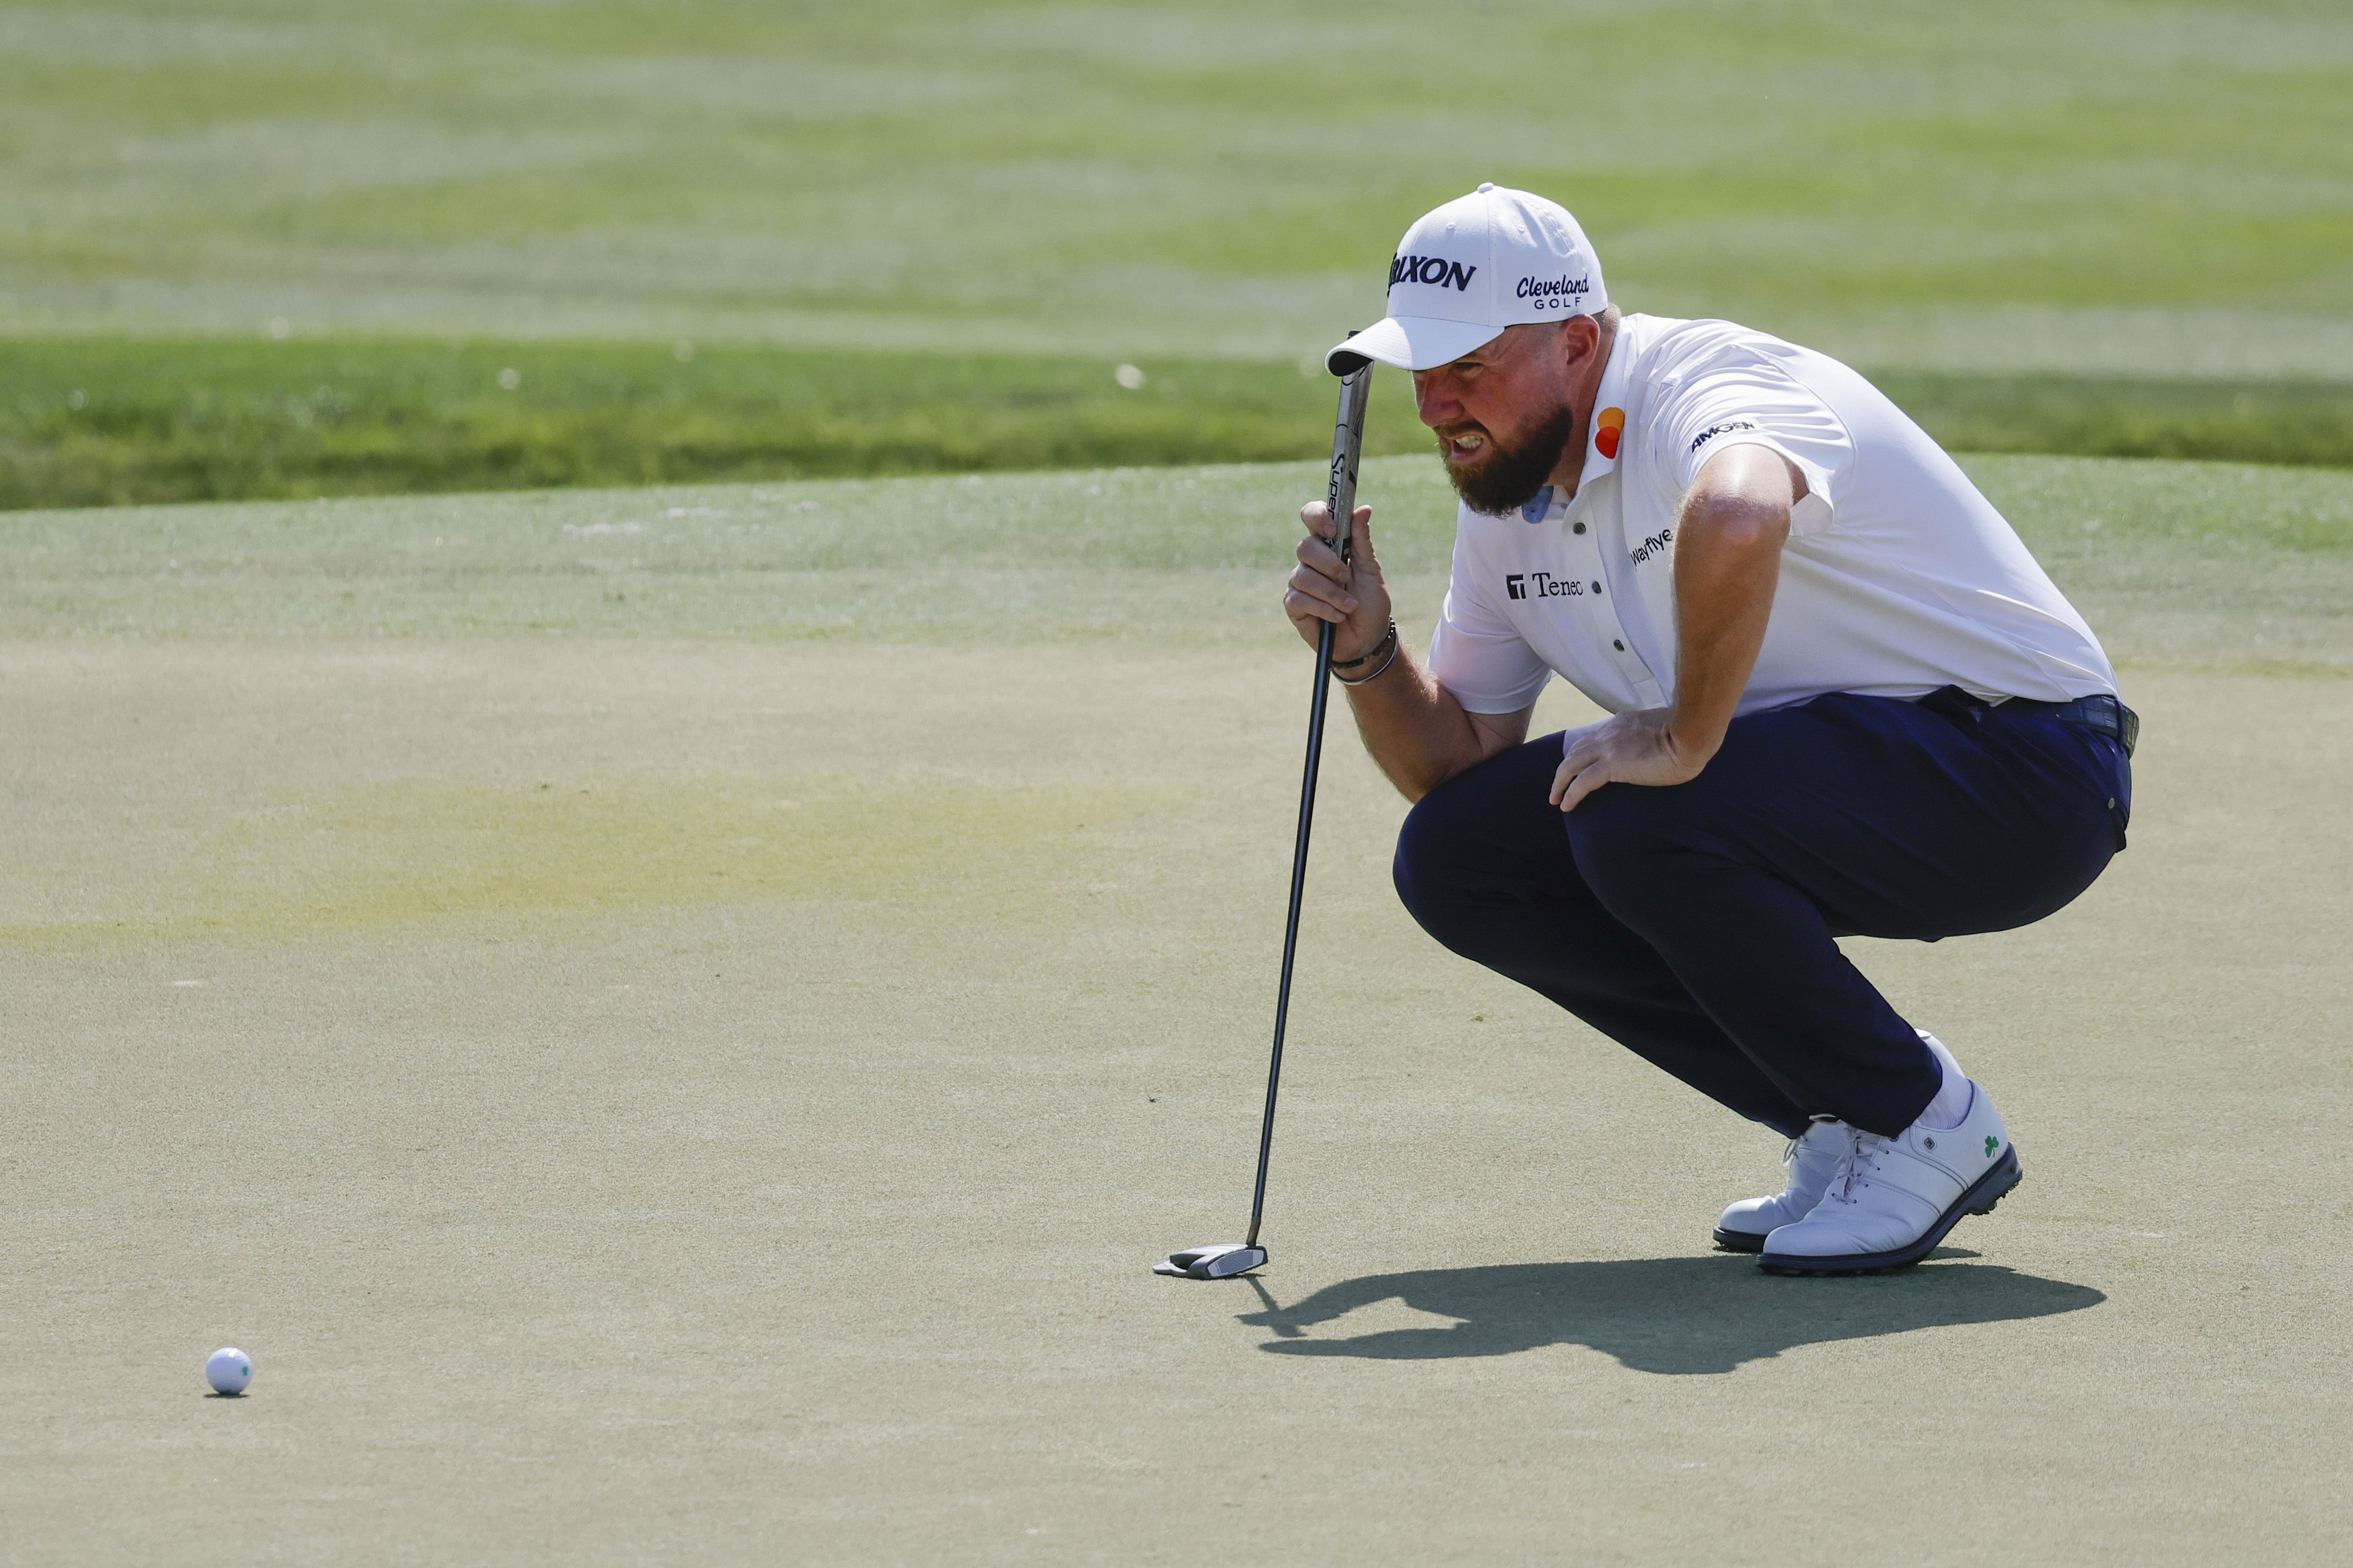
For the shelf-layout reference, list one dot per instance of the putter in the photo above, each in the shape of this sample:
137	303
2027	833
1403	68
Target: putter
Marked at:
1225	1260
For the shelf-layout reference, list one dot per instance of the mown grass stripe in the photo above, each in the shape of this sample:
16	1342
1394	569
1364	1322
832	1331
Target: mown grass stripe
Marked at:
110	421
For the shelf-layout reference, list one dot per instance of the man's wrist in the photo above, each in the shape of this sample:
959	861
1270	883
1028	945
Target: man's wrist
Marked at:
1376	660
1692	740
1386	643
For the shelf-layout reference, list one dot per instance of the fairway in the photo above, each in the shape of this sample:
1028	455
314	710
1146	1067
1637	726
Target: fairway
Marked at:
2060	184
282	248
671	1024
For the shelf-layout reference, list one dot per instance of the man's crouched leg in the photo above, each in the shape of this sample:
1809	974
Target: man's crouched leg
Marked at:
1697	925
1485	864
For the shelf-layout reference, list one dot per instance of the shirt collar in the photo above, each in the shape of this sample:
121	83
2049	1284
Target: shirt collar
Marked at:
1601	443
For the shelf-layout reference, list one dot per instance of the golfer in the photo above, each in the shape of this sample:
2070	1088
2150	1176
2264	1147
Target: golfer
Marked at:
1844	700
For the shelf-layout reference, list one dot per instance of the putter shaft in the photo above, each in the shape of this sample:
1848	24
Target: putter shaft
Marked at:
1347	448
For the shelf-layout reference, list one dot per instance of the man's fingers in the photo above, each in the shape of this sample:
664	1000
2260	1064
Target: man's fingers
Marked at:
1320	557
1323	586
1302	606
1584	765
1569	788
1307	584
1316	515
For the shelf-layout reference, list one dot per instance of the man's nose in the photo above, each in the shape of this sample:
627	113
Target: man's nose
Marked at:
1434	399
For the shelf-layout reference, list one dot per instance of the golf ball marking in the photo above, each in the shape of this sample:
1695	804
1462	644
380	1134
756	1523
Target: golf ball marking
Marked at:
228	1371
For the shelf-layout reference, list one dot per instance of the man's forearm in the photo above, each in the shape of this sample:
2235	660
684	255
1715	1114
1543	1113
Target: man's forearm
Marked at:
1727	565
1416	732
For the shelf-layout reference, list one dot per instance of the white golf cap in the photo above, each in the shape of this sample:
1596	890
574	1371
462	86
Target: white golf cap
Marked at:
1482	262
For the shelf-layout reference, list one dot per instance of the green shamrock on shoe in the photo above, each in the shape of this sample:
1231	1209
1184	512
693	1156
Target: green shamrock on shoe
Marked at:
1990	1142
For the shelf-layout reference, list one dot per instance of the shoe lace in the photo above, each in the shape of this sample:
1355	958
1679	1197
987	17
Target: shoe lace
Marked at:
1857	1165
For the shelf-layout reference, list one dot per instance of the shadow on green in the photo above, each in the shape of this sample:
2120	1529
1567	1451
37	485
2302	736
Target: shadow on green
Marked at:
1674	1316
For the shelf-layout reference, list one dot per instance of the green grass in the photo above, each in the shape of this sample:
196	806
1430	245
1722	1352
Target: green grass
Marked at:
2087	227
2238	420
2084	185
2198	566
377	855
107	421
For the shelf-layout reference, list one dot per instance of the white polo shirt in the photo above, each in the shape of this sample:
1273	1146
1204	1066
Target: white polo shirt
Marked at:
1898	577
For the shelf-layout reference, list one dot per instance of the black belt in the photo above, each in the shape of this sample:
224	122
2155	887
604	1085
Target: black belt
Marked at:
2107	714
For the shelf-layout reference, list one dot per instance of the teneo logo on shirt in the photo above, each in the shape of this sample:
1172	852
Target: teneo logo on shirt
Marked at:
1542	586
1713	431
1555	293
1434	270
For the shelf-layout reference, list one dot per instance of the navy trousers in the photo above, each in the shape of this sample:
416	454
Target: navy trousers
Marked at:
1693	923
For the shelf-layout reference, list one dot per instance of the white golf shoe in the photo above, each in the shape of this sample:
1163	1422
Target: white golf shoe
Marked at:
1811	1160
1893	1199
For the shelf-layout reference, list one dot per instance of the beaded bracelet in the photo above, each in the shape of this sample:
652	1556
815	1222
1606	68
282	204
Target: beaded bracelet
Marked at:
1395	645
1366	657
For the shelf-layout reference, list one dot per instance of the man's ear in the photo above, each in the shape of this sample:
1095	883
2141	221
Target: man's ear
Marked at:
1579	336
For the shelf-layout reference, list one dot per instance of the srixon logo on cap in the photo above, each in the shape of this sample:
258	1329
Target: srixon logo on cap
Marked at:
1430	269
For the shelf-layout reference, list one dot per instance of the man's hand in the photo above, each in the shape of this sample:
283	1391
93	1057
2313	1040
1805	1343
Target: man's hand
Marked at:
1728	538
1350	594
1635	748
1415	729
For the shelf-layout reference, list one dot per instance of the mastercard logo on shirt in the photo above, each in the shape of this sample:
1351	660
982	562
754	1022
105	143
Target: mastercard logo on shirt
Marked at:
1607	427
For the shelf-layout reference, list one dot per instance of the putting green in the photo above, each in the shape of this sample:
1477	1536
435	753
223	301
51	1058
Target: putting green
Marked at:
701	1073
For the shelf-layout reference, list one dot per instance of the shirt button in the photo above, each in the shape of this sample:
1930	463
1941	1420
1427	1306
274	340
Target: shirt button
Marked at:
1577	528
1597	588
1617	644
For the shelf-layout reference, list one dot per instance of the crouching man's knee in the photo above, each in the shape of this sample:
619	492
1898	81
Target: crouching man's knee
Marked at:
1481	847
1428	869
1632	846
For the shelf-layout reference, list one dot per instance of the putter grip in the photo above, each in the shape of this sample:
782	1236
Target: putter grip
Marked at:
1347	449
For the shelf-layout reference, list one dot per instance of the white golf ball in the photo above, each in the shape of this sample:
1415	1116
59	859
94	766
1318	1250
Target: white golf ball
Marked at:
228	1371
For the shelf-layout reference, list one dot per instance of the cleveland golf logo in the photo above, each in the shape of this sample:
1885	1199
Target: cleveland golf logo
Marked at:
1606	426
1434	270
1555	293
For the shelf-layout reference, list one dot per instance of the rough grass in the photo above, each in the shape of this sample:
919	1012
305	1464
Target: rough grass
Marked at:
105	421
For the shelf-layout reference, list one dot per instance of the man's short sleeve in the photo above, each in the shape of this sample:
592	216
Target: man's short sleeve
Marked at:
1750	400
1474	652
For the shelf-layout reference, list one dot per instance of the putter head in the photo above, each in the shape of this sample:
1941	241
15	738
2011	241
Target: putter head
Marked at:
1222	1261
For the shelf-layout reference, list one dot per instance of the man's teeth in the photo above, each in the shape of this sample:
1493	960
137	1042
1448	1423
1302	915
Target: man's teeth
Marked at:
1469	443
